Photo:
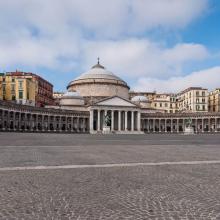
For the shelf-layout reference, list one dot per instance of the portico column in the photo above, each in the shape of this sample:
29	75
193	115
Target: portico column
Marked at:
126	120
138	121
132	121
98	127
112	120
119	120
91	121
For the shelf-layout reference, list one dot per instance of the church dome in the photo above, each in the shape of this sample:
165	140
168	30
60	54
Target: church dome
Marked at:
139	99
99	82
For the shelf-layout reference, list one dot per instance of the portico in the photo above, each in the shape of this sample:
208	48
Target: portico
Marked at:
124	115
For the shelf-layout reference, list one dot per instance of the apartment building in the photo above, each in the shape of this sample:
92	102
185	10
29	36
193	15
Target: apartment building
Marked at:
214	100
26	88
193	99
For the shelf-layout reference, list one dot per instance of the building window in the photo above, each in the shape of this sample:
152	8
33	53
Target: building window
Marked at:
160	104
20	85
155	104
197	93
20	94
13	98
203	107
203	93
13	80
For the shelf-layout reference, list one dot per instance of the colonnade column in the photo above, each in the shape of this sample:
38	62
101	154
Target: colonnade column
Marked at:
171	125
132	121
202	125
177	124
165	124
153	124
91	121
112	120
216	125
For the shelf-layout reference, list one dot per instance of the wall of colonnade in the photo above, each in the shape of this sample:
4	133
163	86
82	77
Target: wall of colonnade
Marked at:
31	119
176	123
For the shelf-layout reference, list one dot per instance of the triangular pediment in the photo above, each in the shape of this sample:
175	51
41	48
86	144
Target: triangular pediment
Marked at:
115	101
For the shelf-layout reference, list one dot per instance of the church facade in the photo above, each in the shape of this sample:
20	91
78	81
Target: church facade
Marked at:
98	102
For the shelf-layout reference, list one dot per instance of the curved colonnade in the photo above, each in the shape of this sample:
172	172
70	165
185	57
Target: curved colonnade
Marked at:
176	123
14	117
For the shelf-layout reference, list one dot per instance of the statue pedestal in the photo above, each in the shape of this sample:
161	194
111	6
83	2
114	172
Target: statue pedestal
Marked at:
106	130
189	130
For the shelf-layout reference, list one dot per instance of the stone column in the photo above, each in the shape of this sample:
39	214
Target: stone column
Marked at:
171	125
209	122
139	121
112	120
78	124
126	120
98	122
3	121
159	125
216	125
196	125
132	121
42	122
119	120
72	124
165	124
202	125
154	125
36	122
183	124
91	121
14	121
177	124
60	123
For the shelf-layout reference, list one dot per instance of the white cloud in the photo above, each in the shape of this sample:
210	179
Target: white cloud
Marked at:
141	57
208	78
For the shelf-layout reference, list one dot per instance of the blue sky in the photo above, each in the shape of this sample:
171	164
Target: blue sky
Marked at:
162	45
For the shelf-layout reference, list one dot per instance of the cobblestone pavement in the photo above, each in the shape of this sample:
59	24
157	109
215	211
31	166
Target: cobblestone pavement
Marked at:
175	191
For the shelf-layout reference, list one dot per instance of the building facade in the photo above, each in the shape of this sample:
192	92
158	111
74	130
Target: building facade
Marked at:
214	101
26	88
193	99
99	100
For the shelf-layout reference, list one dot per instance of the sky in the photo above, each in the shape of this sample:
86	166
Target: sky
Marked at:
154	45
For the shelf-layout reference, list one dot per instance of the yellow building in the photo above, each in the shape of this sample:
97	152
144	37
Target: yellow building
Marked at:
214	101
193	99
21	89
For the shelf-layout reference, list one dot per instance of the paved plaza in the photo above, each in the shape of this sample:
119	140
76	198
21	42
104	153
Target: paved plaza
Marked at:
79	176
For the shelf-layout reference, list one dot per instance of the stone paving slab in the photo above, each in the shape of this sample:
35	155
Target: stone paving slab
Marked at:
156	192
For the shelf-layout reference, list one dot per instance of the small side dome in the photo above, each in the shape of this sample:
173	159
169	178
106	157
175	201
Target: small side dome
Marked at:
139	98
72	94
72	98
